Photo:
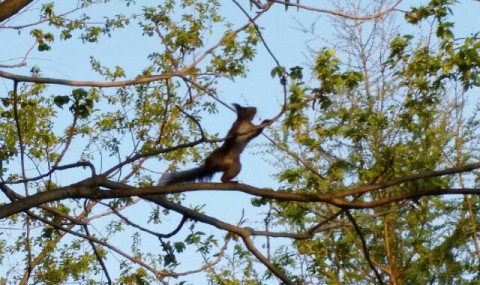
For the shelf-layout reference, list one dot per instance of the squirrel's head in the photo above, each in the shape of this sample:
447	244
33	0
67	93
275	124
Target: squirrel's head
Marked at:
245	113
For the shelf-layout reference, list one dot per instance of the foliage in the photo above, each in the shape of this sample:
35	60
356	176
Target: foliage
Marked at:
373	138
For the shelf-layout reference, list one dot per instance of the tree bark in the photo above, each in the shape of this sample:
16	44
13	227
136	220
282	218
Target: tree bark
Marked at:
9	8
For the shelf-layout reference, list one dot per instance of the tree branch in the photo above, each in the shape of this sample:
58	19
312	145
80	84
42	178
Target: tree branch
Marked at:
338	13
244	233
8	8
158	273
394	182
55	168
159	235
366	252
93	188
98	255
136	81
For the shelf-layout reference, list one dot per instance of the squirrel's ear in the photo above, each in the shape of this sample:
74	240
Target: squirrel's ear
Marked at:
237	107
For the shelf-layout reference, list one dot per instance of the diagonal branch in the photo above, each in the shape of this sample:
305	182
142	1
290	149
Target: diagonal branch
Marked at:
21	145
8	8
244	233
366	252
98	255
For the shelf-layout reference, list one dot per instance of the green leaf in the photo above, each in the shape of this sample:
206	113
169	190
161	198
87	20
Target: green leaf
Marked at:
61	100
258	202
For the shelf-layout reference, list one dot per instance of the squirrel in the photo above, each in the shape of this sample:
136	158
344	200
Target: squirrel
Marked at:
226	158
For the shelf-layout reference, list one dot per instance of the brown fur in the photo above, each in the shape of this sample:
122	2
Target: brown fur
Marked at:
226	158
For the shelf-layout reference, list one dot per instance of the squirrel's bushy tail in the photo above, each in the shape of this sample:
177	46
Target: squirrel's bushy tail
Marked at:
201	173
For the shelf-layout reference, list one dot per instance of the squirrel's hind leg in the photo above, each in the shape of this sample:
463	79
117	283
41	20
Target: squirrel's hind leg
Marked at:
232	171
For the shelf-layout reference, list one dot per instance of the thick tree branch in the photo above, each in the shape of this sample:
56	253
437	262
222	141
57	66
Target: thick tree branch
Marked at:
93	188
8	8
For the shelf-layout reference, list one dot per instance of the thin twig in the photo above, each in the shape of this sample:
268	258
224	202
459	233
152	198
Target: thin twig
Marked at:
53	169
283	79
202	133
159	235
338	13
